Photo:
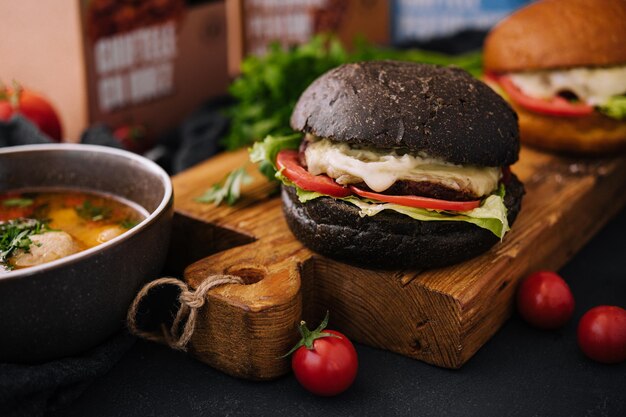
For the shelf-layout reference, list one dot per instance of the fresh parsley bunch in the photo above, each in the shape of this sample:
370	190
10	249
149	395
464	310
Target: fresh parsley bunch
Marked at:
269	87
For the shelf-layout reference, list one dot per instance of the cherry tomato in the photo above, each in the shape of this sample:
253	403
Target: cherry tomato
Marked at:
556	106
417	201
545	300
34	107
602	334
287	162
324	361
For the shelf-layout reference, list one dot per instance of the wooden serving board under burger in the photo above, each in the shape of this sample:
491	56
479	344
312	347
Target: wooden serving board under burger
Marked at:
440	316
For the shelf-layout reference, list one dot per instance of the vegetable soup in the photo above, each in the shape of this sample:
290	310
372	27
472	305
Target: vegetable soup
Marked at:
39	226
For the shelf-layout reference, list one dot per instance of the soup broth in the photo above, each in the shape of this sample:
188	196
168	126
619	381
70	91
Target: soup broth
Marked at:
39	226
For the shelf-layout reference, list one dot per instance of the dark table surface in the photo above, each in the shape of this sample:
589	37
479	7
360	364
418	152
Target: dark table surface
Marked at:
521	371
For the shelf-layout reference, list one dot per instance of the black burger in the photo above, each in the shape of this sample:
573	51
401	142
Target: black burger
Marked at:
400	165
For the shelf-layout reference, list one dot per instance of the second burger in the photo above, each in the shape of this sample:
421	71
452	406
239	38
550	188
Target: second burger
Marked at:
562	66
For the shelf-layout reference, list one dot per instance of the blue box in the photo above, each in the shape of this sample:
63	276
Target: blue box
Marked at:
423	20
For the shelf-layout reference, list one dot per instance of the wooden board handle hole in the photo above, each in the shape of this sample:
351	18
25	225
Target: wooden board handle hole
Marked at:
248	275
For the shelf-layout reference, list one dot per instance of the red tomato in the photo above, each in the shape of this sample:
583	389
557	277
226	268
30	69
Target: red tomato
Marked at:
329	368
35	108
556	106
325	361
602	334
6	111
417	201
287	161
545	300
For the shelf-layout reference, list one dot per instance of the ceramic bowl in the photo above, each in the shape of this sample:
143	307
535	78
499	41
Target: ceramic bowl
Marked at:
70	305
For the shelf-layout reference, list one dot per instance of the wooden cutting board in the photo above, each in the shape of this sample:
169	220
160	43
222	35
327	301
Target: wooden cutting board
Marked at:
441	316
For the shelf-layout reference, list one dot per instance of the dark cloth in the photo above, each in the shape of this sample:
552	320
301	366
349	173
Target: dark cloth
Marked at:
100	134
20	131
33	390
196	139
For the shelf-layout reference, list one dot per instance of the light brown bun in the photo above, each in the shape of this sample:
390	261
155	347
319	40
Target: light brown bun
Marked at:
553	34
593	135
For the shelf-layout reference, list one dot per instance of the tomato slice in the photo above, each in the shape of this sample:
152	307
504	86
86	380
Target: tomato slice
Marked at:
556	106
417	201
287	161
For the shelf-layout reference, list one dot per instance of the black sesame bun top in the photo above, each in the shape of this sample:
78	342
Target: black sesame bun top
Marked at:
444	112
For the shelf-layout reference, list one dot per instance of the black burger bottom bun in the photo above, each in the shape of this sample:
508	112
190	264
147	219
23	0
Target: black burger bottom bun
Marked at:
389	240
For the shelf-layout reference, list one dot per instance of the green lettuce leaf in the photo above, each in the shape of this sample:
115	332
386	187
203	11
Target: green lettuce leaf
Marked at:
614	108
491	214
264	153
304	195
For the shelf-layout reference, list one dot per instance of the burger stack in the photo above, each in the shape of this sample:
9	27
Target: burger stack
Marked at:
401	165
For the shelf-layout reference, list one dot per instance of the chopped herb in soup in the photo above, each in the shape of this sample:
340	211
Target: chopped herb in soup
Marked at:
41	226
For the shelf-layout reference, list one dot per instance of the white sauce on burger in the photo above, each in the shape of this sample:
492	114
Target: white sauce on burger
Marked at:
379	169
593	86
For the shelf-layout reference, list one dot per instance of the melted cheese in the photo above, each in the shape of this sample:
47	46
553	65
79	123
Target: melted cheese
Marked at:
380	169
592	85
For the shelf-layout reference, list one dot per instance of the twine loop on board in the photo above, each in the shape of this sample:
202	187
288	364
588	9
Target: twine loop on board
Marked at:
190	302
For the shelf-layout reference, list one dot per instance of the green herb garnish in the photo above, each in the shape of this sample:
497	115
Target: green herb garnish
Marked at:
18	202
15	235
93	213
229	189
128	223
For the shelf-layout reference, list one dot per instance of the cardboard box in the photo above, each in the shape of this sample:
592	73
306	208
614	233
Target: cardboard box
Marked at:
252	24
117	62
